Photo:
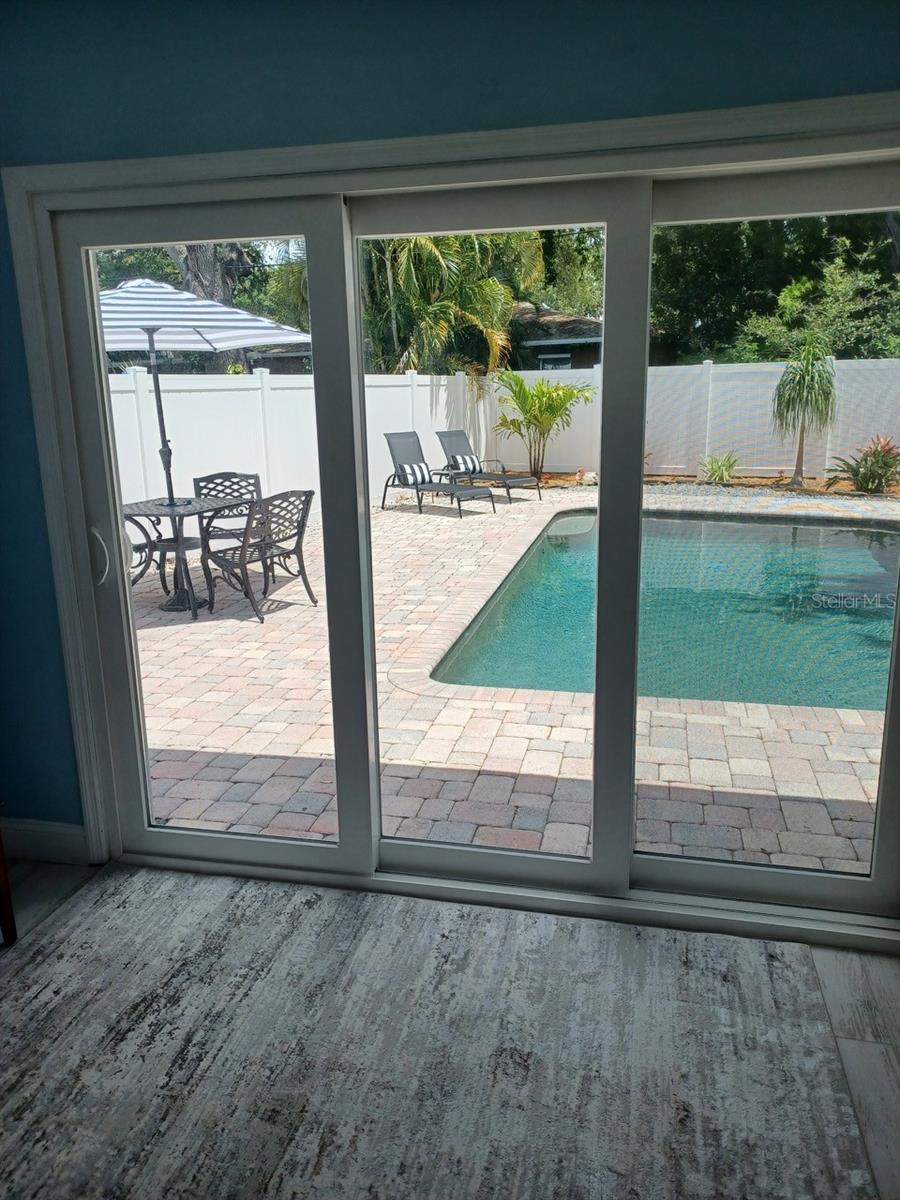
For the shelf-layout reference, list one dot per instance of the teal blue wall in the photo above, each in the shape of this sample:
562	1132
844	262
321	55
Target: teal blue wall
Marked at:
93	80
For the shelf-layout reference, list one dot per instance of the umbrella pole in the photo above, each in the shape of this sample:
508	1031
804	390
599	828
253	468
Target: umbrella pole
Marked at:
165	449
182	597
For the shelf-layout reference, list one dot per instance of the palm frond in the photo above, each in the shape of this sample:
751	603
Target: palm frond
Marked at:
806	396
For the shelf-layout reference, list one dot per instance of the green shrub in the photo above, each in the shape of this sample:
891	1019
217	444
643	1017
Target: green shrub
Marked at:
719	468
537	413
875	468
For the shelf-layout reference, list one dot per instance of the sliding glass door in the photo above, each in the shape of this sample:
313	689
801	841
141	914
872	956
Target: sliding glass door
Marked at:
764	755
494	604
496	357
220	528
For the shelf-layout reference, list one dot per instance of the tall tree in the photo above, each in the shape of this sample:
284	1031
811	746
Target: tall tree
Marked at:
442	304
709	280
855	312
573	271
213	270
138	262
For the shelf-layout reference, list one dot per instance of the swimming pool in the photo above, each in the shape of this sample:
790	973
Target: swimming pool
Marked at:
760	612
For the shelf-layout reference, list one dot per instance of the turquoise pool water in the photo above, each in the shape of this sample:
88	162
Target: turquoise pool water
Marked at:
767	613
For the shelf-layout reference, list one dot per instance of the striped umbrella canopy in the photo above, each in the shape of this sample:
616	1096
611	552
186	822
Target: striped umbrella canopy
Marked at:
141	314
182	321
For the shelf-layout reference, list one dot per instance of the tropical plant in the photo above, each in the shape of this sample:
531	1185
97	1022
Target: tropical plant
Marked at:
805	398
287	295
537	413
875	468
441	304
719	468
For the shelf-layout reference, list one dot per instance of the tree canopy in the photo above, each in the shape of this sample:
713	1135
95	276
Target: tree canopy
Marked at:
850	308
710	280
734	291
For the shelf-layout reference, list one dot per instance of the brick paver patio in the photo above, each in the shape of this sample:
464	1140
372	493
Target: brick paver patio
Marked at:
238	715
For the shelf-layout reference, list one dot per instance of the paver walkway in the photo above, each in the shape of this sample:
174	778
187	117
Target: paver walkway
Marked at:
239	716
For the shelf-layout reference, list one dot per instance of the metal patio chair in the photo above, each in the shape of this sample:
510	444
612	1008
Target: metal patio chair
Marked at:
412	472
463	462
273	534
221	485
229	523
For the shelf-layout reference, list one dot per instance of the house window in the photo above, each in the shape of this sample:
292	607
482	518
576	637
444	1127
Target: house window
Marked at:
554	362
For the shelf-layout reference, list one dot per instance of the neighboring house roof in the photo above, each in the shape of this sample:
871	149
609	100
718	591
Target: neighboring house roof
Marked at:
533	326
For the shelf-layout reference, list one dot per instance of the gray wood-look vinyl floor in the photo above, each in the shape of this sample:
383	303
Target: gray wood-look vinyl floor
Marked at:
175	1035
862	994
41	887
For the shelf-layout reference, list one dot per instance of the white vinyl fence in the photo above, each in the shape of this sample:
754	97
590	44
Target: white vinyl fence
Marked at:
266	423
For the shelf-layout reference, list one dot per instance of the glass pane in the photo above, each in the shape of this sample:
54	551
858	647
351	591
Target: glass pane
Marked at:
771	540
484	561
237	701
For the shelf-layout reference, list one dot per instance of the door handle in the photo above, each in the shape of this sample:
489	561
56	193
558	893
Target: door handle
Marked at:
98	536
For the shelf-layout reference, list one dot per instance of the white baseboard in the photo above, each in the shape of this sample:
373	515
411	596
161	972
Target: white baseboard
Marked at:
47	841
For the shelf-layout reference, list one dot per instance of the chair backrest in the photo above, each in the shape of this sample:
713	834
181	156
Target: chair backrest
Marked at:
454	441
229	485
405	447
227	523
281	518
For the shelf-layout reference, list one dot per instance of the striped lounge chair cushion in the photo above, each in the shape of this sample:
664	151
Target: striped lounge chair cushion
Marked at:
467	462
413	473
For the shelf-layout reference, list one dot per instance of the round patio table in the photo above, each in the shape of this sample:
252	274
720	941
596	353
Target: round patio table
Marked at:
183	598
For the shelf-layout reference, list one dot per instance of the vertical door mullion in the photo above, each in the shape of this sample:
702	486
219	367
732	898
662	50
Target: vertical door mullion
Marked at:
625	341
886	842
344	504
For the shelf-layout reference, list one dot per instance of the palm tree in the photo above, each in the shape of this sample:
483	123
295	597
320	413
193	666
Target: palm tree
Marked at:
444	303
288	293
806	397
537	413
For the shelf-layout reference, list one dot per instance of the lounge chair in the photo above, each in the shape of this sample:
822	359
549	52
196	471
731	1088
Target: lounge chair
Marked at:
463	462
411	471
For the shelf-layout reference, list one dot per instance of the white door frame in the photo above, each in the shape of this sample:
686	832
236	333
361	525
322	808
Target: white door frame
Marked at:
691	160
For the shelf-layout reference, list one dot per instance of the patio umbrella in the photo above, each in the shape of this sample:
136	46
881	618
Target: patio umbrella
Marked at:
142	314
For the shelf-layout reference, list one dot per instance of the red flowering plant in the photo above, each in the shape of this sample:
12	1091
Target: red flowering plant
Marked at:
874	469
